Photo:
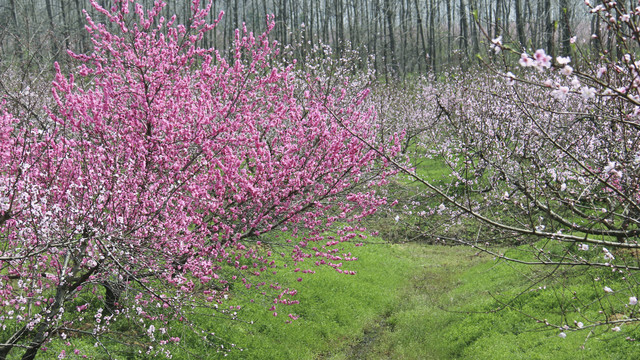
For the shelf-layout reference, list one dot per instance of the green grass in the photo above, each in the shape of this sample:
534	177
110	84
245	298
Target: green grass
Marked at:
414	301
449	312
334	308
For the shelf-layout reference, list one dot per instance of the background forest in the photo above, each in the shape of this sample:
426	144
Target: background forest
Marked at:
397	36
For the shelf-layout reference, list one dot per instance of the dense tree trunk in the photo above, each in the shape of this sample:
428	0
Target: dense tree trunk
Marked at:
407	35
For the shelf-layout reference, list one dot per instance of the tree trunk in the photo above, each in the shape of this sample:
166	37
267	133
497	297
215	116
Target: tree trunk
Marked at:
549	28
498	18
565	27
596	42
392	41
433	50
464	31
420	35
449	33
474	27
520	24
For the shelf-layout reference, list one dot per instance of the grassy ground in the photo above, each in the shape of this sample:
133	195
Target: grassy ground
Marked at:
448	312
412	301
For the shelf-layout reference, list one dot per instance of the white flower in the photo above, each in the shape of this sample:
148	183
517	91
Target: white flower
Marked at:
496	44
624	17
588	92
583	247
567	70
562	335
617	328
580	324
510	78
397	218
608	289
560	93
611	165
441	207
633	300
607	254
563	60
601	72
575	83
573	39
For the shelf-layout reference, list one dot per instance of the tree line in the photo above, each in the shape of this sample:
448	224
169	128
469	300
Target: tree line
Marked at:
394	36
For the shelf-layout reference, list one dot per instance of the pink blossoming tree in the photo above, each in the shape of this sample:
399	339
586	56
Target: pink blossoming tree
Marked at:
160	165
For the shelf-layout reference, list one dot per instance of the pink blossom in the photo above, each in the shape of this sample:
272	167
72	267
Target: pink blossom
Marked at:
542	59
525	60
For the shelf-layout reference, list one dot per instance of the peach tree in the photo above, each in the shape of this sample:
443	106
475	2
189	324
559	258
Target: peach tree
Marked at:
150	185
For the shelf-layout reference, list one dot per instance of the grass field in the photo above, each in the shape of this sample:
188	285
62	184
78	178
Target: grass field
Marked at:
414	301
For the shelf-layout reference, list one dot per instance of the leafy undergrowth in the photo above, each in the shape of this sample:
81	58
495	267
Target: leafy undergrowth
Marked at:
411	301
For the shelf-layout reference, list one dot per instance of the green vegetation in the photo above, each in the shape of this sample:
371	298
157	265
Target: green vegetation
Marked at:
415	301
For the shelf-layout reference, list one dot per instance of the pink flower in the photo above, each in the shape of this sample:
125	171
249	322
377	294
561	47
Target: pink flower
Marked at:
542	59
525	60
